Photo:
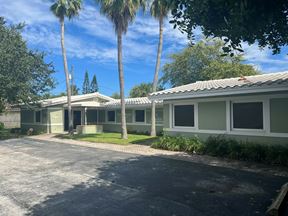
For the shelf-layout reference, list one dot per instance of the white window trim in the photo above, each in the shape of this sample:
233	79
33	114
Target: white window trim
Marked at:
195	127
40	122
107	118
134	116
247	129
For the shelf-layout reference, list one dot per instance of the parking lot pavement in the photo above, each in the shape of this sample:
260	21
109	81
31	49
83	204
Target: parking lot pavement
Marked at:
46	178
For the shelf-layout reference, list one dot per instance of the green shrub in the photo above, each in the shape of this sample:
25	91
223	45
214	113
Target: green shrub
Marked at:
1	125
247	151
179	143
221	146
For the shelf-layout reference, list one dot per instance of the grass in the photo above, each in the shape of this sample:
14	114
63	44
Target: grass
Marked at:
114	138
8	134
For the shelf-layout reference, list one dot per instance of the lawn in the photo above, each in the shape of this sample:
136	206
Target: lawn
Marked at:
7	134
114	138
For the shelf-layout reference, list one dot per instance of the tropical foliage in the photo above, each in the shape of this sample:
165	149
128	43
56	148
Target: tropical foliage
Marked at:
159	9
203	61
24	75
143	90
121	13
264	22
69	9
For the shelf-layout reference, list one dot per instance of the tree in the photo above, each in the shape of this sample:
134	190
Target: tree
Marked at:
143	90
203	61
94	85
259	21
69	9
159	9
121	13
115	95
24	75
74	89
86	84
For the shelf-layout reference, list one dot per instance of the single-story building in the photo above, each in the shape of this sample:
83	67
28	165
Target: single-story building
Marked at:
91	113
251	108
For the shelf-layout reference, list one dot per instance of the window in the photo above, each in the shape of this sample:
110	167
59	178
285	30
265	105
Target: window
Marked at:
248	115
184	115
111	116
38	116
139	115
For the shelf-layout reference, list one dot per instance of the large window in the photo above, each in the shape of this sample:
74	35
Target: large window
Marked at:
38	116
111	116
184	116
139	115
248	115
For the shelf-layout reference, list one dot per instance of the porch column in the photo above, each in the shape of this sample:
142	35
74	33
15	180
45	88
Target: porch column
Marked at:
85	116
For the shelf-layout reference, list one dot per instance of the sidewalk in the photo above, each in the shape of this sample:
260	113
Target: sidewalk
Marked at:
148	151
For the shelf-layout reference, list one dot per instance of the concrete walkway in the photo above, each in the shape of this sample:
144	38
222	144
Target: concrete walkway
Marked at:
145	150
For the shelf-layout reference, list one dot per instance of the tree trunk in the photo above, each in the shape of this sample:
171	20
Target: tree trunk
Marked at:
121	82
155	80
68	89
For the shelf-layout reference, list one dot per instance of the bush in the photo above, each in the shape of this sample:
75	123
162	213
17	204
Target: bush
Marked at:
221	146
179	143
1	125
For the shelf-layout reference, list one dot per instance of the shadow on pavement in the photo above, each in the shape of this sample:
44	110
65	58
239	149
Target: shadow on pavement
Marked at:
156	186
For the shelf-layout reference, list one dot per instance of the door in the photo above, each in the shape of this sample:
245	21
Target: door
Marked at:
66	123
76	118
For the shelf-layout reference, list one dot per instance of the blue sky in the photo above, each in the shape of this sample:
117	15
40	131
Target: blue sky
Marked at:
91	45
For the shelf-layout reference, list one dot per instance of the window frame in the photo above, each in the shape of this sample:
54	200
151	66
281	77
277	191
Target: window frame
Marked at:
247	129
35	116
134	117
107	118
195	116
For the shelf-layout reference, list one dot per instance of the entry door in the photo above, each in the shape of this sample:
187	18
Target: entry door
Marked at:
76	118
66	123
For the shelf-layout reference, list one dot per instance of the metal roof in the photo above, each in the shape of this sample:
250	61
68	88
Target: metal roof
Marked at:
270	80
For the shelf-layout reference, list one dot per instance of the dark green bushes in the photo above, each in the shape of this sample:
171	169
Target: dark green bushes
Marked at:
221	146
1	125
179	143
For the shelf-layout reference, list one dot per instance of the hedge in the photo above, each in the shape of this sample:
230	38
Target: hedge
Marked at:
221	146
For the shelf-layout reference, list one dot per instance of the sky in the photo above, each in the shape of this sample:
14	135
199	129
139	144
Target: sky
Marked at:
91	44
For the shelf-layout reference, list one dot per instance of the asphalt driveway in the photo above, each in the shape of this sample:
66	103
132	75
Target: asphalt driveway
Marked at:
45	178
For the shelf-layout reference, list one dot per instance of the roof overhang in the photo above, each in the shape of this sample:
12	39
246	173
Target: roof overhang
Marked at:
219	92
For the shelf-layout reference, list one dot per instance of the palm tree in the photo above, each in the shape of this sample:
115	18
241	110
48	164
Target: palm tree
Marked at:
158	9
69	9
121	13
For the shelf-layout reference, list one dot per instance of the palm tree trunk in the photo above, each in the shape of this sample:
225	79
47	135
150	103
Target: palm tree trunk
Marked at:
68	89
121	82
155	80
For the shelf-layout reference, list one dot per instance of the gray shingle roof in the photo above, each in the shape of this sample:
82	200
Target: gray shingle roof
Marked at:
130	102
248	82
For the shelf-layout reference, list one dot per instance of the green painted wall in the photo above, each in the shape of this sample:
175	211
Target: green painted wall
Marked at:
55	120
129	116
256	139
212	115
166	115
279	115
118	116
